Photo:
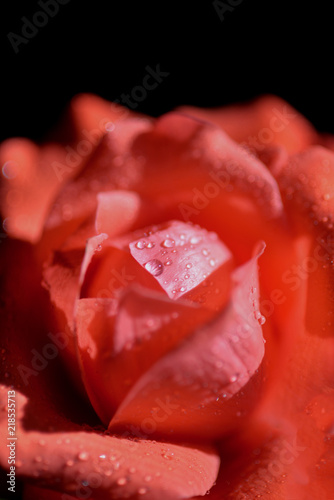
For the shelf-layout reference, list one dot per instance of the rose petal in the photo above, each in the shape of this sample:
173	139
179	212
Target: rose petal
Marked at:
119	342
265	120
193	382
108	168
91	117
182	258
105	466
28	186
116	212
307	182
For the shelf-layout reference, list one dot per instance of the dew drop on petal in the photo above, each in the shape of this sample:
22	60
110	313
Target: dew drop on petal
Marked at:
195	239
83	456
205	252
155	267
150	244
121	481
142	491
168	243
140	244
168	455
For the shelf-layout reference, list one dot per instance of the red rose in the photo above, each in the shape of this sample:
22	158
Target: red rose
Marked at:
168	292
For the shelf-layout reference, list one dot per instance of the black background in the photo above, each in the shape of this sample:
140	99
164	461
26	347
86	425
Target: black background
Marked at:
104	47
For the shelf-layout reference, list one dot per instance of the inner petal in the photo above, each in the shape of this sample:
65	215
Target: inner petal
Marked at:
181	256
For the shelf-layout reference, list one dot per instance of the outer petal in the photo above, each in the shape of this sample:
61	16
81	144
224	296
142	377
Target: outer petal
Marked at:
104	171
88	463
28	186
194	380
307	184
268	120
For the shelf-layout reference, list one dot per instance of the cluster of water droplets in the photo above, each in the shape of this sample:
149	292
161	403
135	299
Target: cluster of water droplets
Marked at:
188	254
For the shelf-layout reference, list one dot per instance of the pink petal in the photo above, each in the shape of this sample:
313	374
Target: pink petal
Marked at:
267	120
181	257
116	212
105	466
119	342
199	384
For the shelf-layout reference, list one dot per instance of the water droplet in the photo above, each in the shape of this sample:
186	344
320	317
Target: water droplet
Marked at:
142	491
148	478
189	265
183	289
168	455
233	378
140	244
150	244
205	252
212	262
168	243
10	170
132	470
69	463
102	456
113	458
83	456
121	481
194	240
155	267
168	262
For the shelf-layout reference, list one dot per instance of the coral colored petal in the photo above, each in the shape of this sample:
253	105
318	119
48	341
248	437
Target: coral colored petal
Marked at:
61	279
268	120
109	167
91	117
218	166
106	467
195	380
116	212
28	186
182	258
93	245
307	181
118	343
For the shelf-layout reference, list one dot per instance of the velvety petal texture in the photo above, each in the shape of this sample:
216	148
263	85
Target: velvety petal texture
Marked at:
81	463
